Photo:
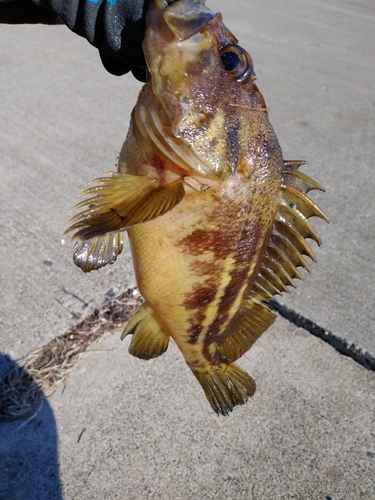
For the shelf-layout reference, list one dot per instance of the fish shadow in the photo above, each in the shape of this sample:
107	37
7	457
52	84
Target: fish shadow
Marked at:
28	438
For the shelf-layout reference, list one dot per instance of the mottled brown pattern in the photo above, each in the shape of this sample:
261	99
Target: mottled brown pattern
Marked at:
203	240
203	268
241	238
198	302
195	68
202	296
232	129
196	328
239	275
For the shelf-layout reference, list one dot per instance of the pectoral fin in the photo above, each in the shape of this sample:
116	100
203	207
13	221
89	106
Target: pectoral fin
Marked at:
121	201
149	338
97	252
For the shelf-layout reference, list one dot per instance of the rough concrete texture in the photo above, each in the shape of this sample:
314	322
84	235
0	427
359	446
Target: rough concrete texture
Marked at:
148	432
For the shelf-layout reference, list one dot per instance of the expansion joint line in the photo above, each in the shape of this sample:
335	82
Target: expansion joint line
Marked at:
359	355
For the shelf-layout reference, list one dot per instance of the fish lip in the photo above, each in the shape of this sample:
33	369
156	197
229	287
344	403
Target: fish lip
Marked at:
186	17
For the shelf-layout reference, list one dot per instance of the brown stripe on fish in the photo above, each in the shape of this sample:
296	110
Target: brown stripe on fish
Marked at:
243	270
209	249
206	267
232	129
205	240
224	258
202	296
198	301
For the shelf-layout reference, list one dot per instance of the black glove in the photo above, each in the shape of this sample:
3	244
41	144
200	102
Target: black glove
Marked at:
115	27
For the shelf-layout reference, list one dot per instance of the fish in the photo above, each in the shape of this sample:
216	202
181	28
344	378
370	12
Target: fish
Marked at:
217	220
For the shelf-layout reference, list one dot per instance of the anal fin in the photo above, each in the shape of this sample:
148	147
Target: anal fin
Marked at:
225	386
149	338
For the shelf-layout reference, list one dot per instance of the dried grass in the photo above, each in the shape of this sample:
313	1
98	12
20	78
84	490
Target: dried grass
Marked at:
42	370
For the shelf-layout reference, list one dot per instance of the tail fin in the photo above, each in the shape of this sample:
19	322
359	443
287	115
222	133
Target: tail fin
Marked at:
226	386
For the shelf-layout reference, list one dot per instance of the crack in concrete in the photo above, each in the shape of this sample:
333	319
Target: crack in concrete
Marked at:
41	371
358	354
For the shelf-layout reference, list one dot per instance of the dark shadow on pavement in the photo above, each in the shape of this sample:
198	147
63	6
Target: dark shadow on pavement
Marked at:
28	438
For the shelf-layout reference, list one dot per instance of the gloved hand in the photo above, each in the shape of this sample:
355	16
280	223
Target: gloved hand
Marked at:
115	27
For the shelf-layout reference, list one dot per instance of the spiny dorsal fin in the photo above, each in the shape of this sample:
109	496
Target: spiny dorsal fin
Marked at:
287	244
298	221
252	319
288	231
278	270
281	242
149	340
298	200
97	252
276	254
305	182
121	201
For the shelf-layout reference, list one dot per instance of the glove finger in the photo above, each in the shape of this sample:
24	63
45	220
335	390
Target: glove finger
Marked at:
113	65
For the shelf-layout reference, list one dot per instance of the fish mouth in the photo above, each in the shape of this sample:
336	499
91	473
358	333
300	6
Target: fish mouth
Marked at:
186	17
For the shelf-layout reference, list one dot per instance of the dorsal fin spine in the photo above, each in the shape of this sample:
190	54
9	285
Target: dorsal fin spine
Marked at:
293	196
278	269
264	282
290	250
286	263
293	165
273	278
258	291
294	237
305	182
298	221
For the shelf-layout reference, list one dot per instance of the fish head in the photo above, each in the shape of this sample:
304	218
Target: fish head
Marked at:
204	82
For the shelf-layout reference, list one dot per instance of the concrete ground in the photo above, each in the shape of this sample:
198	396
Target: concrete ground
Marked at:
121	428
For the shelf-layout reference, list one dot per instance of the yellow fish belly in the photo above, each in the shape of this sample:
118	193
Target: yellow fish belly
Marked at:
194	266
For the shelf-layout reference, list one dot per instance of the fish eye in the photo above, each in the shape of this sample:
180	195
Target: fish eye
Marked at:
237	62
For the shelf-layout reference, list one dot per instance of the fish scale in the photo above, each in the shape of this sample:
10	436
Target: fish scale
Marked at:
217	219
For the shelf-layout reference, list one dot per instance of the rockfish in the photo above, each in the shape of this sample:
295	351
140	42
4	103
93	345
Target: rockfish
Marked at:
216	219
